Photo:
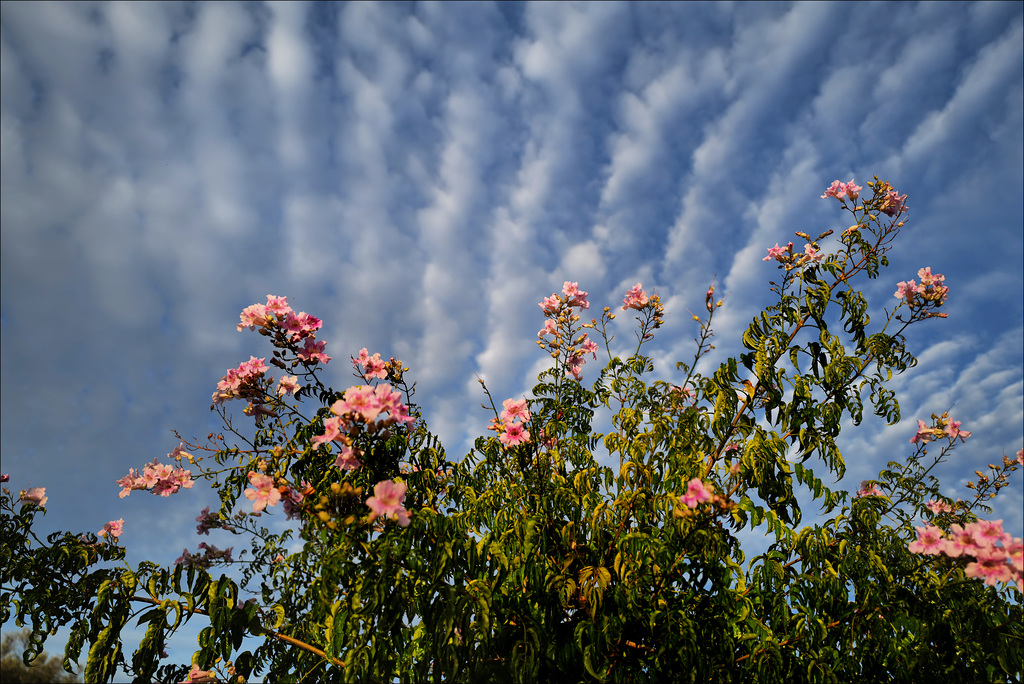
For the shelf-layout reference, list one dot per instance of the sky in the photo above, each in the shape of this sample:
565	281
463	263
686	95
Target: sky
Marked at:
419	176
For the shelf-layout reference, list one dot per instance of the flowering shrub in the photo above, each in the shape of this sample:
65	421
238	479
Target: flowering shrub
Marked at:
552	552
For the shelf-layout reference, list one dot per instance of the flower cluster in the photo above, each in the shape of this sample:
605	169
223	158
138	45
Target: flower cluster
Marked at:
276	312
840	190
790	260
891	202
995	555
210	554
942	426
561	318
358	410
244	382
931	291
510	425
388	497
163	479
114	528
697	492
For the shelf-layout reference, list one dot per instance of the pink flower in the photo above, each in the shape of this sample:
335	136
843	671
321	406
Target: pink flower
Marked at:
987	533
812	254
207	521
953	431
252	317
114	528
35	495
905	290
197	676
288	384
837	190
551	304
961	541
301	325
515	409
937	506
929	541
332	429
777	252
574	295
348	458
372	366
1015	553
387	500
697	492
278	306
360	401
1020	457
990	564
313	352
589	347
263	493
924	434
636	298
514	434
5	477
868	488
894	203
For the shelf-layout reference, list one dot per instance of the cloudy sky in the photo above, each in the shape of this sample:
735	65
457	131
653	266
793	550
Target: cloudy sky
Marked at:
419	176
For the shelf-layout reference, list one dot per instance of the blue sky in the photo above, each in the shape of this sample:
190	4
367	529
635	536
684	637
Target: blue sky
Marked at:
419	176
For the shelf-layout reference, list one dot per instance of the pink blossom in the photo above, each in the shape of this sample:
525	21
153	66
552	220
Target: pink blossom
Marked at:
868	488
549	329
961	541
812	254
927	279
697	492
372	366
115	528
359	401
987	533
514	434
263	493
313	352
197	676
1020	457
515	409
1015	553
252	317
937	506
332	429
551	304
924	434
387	500
953	431
837	190
589	347
207	521
574	295
894	203
348	458
990	564
636	298
301	325
5	477
905	290
289	384
929	541
278	306
778	253
575	367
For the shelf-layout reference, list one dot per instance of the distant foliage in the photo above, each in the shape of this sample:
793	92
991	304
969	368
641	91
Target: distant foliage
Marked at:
553	552
43	670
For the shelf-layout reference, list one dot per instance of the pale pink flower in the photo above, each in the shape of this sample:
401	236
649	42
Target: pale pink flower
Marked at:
313	352
988	533
359	401
332	429
207	521
953	431
905	290
961	541
929	541
301	325
924	434
990	564
549	329
937	506
263	493
348	458
289	384
777	252
1020	457
514	434
697	492
868	488
252	317
551	304
515	409
278	306
589	347
373	366
837	190
197	676
894	203
636	298
1015	553
115	528
574	295
387	500
575	367
813	254
36	495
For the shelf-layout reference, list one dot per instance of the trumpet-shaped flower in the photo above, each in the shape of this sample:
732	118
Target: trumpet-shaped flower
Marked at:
387	500
263	493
